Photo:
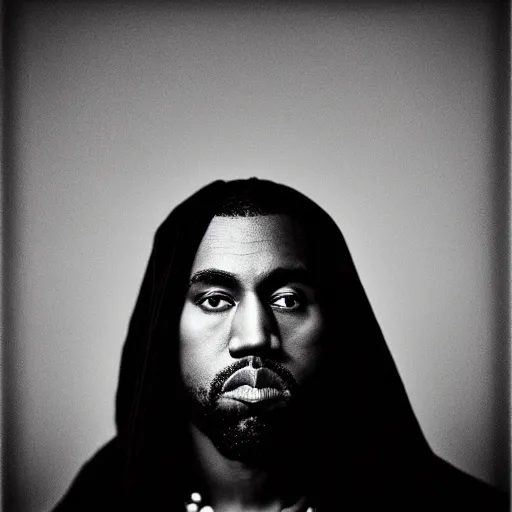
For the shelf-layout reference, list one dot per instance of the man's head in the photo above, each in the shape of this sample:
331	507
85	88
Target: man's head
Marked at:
250	329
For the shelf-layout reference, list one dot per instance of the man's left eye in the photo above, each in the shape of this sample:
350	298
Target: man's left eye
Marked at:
289	302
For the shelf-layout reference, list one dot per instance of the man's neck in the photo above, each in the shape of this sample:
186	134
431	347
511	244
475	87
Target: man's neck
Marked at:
233	485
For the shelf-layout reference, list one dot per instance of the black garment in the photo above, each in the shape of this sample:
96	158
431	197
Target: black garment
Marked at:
367	451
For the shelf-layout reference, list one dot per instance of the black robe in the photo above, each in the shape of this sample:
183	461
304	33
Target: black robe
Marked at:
367	451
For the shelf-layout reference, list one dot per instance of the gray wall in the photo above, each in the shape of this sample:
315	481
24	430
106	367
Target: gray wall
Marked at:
385	114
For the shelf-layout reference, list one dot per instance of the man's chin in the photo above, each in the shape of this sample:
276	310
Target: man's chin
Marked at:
247	433
248	440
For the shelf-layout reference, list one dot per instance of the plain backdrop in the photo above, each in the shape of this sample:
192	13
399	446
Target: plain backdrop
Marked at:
390	115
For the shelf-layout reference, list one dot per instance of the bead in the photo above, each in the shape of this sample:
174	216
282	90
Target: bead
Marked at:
195	496
192	507
206	509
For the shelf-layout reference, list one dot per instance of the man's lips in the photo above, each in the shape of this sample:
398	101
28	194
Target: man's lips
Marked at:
253	385
252	395
254	377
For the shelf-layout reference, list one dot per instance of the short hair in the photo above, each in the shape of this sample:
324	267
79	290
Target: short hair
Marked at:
253	197
245	198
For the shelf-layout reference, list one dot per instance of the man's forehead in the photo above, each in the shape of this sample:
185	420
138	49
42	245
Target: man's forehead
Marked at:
252	230
262	238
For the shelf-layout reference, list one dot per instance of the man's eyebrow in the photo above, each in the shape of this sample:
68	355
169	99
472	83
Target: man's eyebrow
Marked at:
215	277
274	279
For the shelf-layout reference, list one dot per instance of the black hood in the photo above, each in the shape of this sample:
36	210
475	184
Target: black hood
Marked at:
366	415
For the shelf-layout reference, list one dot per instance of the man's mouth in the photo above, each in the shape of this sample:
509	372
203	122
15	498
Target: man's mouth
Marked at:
253	385
252	395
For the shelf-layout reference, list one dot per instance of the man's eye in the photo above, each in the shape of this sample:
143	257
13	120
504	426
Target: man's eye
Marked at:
288	302
215	303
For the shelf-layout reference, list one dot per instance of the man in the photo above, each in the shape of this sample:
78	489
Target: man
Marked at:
254	376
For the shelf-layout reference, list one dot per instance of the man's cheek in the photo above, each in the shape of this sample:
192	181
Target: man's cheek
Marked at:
195	371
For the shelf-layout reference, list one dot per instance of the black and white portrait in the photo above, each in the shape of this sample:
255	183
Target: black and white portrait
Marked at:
255	256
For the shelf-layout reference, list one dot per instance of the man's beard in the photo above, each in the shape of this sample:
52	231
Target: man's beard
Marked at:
245	432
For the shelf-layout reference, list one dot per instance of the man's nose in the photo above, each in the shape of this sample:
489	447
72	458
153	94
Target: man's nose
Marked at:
253	329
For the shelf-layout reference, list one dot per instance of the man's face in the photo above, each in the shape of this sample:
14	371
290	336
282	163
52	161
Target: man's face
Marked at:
250	328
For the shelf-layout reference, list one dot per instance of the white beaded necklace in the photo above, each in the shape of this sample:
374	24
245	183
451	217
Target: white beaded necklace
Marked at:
194	504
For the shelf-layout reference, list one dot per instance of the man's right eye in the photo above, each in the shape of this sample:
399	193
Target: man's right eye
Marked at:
215	303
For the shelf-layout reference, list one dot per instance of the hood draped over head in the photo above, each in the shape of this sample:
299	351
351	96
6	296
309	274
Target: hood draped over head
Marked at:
359	411
360	436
